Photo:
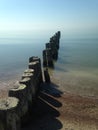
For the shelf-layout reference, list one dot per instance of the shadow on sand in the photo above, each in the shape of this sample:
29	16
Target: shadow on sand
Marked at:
44	112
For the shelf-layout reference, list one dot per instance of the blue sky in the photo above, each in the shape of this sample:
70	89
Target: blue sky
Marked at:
69	16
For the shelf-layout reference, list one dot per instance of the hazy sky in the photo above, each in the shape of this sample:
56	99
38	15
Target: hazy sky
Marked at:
70	16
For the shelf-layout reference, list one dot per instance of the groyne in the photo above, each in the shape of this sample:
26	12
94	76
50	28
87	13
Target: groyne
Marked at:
50	53
17	107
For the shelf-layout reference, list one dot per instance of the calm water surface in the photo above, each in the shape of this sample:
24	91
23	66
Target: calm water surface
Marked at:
77	66
76	70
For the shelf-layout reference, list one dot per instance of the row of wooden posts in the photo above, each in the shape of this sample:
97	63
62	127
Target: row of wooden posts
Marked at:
50	53
51	50
16	108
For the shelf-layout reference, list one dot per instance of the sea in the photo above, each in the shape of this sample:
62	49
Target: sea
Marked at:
75	71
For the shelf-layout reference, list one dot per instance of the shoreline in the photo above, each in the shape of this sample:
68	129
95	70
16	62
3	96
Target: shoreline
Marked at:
57	110
8	82
75	112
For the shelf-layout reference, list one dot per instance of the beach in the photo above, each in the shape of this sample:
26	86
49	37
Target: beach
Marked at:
58	110
59	41
70	101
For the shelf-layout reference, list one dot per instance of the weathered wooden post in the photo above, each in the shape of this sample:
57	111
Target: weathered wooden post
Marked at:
49	58
46	76
58	34
54	50
29	71
54	47
33	59
45	63
48	45
27	82
36	65
9	120
32	85
33	65
19	91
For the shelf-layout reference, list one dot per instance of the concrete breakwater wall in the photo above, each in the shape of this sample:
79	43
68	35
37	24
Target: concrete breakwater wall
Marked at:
16	108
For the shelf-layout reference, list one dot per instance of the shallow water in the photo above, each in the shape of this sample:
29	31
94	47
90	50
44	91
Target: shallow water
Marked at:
14	58
76	70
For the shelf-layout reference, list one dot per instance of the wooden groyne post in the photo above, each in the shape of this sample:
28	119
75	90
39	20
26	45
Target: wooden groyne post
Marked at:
17	107
51	50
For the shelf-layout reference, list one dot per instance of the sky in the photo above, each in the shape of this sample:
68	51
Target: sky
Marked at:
18	17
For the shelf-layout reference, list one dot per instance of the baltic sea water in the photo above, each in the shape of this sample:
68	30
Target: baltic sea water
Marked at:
76	70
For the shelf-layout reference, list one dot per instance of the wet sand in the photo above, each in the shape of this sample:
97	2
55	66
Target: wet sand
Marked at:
7	82
57	109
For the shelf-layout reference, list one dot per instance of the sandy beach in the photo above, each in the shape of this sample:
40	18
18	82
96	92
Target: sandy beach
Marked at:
58	110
